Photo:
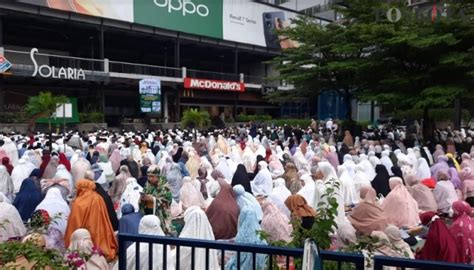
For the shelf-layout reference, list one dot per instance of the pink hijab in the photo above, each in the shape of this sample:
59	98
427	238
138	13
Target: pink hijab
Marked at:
368	216
275	164
399	206
275	222
463	230
115	159
467	178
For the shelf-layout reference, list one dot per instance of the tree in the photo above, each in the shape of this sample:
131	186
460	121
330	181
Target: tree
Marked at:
43	105
413	62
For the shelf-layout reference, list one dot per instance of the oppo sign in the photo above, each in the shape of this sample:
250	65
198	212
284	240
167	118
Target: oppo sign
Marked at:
183	6
46	71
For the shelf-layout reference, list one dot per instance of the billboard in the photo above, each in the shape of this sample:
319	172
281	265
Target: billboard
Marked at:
241	21
150	95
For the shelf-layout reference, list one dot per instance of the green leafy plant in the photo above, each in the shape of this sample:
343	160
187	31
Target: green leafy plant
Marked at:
194	118
43	105
252	117
10	251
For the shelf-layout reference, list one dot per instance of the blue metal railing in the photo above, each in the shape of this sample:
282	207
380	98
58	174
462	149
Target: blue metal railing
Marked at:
326	257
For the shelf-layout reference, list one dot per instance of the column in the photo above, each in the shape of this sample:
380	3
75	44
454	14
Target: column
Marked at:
165	108
177	52
101	42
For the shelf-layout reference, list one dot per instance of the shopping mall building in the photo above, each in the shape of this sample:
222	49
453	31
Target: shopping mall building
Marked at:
207	54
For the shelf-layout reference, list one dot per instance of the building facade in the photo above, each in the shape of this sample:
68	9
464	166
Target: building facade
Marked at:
198	50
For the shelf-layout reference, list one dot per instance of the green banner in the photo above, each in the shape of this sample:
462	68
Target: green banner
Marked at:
200	17
150	95
69	110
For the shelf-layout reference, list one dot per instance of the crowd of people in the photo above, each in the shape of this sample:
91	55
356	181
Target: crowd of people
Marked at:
413	200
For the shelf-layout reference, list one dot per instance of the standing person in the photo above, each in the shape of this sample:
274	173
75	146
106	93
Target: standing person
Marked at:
156	198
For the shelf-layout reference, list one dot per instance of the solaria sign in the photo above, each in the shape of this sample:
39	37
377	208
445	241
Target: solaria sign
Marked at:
185	7
47	71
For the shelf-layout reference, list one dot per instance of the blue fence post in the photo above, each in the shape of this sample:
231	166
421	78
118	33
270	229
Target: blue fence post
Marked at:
122	253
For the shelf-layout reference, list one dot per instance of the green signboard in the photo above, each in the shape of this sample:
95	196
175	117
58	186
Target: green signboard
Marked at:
65	113
150	96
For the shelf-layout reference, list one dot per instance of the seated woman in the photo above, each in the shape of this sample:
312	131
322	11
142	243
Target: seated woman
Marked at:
399	206
301	210
14	228
247	233
196	225
461	229
81	242
149	225
368	215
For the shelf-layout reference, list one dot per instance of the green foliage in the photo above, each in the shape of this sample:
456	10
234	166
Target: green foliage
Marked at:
253	118
413	63
13	117
438	114
44	105
9	251
91	117
195	118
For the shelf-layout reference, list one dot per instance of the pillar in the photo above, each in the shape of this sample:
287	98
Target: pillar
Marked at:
165	108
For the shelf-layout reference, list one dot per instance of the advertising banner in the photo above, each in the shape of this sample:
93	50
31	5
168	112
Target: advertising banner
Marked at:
65	113
205	84
241	21
150	96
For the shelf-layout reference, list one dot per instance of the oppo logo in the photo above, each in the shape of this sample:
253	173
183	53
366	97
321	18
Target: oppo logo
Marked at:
183	6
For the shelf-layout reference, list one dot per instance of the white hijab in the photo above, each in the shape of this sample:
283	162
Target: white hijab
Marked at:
347	186
196	225
190	195
6	184
14	227
62	173
423	171
308	191
149	225
279	194
223	167
131	195
262	184
57	208
330	176
20	172
387	162
11	150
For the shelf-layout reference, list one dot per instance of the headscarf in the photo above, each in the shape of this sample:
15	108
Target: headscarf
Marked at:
149	225
309	191
119	185
382	246
361	178
292	178
423	170
462	229
399	206
275	222
279	195
453	176
175	181
12	222
6	183
298	206
368	215
57	208
454	161
246	199
63	173
115	159
346	235
386	161
445	194
395	237
380	182
78	171
440	244
347	186
7	164
89	211
422	194
50	169
109	204
241	177
262	184
64	161
247	233
196	225
131	195
440	166
223	213
190	195
223	167
129	221
20	173
27	199
81	241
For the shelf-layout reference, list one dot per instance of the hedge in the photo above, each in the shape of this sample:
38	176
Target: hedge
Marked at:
92	117
436	114
248	118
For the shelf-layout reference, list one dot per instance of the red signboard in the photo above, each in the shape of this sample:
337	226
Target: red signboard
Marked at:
204	84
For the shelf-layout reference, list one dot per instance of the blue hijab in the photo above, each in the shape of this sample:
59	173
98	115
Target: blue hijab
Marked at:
247	233
27	199
130	219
